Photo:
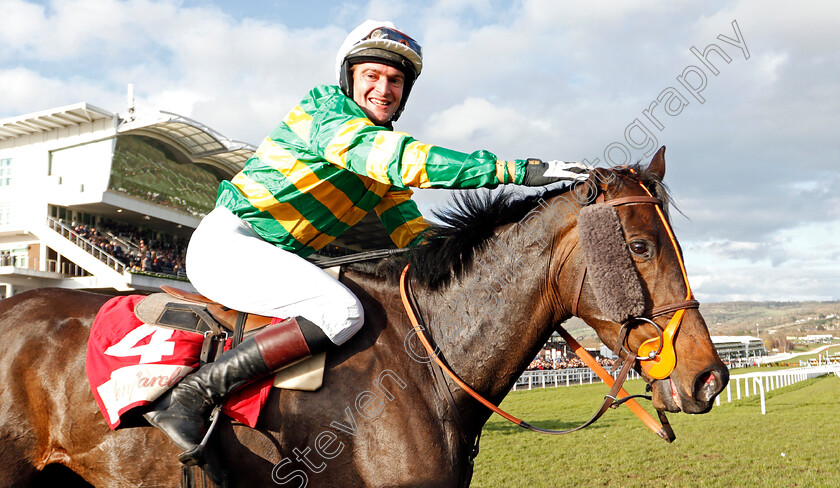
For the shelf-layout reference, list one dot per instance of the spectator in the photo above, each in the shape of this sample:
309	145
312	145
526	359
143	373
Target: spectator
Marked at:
140	253
543	363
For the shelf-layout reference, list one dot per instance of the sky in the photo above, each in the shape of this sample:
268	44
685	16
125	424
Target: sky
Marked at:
751	129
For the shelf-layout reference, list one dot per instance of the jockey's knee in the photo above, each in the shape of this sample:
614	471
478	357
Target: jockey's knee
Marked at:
342	318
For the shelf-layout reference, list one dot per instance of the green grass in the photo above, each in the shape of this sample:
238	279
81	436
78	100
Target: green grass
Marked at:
732	446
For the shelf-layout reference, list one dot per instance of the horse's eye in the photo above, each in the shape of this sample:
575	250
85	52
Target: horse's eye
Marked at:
639	247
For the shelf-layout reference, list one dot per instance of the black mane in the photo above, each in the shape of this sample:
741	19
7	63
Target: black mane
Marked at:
466	227
448	248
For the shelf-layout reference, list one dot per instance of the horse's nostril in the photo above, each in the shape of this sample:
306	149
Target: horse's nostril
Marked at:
707	386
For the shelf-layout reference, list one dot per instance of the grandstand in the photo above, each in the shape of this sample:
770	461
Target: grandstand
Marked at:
738	348
97	200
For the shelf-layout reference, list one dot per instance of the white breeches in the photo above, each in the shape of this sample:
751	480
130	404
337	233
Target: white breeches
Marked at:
229	263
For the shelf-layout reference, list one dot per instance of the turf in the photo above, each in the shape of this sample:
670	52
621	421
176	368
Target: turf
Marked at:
796	444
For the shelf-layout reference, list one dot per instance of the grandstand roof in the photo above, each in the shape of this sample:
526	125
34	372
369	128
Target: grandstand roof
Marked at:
734	339
199	142
52	119
194	140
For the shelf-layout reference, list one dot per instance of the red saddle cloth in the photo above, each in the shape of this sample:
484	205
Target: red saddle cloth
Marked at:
130	364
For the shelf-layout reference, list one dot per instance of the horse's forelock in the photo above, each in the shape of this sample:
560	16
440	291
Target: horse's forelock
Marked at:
638	173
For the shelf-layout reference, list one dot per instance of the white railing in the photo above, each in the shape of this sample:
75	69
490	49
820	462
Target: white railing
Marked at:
762	382
89	247
544	378
744	384
123	242
16	260
66	268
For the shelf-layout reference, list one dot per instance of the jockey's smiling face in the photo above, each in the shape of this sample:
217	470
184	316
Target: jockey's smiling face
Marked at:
378	90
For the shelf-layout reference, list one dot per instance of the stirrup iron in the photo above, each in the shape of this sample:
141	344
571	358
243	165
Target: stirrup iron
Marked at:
195	456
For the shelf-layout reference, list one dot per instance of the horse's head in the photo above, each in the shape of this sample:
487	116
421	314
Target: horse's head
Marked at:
634	269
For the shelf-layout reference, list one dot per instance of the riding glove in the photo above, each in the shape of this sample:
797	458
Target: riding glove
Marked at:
540	173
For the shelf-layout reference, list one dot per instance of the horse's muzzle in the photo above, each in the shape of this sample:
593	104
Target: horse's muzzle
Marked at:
670	394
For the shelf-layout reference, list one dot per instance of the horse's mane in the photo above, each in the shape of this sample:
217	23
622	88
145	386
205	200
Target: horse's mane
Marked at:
448	248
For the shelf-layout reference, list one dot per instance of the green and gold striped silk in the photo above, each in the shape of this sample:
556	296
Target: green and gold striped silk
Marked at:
326	165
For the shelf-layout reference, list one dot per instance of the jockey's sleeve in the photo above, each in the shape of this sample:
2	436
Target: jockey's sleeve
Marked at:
334	127
400	216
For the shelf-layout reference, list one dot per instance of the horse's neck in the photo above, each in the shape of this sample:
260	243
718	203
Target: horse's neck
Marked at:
490	323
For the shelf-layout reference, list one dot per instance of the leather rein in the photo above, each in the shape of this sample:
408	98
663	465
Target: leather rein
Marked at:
656	355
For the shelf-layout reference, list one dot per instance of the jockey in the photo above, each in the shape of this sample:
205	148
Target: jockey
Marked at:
333	159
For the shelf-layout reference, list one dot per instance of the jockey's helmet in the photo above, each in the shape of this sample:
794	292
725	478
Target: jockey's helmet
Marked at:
379	42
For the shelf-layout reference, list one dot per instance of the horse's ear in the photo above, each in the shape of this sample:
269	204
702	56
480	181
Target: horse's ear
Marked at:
657	164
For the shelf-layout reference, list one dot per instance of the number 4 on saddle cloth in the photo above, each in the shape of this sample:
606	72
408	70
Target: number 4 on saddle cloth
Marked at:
141	346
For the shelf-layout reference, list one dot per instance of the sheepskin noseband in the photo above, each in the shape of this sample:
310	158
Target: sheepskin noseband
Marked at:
612	275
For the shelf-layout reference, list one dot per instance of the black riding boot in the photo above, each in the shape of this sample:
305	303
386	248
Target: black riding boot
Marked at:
182	412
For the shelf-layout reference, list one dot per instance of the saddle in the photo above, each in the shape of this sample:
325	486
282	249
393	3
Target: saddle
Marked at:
183	310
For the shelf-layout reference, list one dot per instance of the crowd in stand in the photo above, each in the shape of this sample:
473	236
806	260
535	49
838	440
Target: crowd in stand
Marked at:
541	362
136	248
141	252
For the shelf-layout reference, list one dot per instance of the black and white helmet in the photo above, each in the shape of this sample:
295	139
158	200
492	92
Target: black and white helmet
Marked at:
379	42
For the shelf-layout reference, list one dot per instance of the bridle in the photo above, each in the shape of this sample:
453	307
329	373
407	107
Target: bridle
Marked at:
656	355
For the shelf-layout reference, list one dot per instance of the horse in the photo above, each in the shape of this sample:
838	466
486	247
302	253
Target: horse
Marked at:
492	282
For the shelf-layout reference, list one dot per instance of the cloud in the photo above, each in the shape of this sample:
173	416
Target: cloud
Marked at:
754	167
793	264
772	253
741	206
476	119
25	90
21	22
181	59
715	284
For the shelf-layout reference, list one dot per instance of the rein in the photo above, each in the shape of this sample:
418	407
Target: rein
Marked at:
359	257
656	355
615	391
616	396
